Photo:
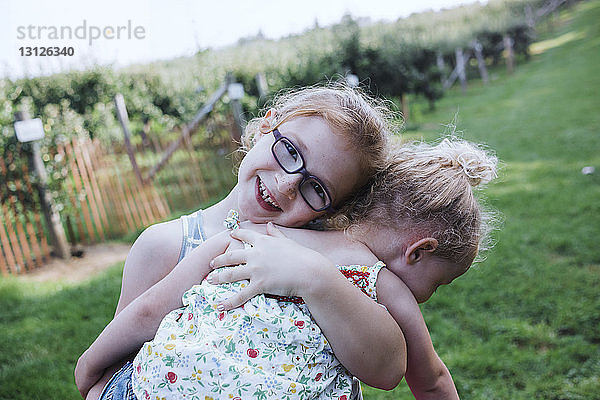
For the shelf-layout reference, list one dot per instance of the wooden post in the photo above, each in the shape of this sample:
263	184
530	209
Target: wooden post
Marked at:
124	121
439	60
404	101
460	68
263	87
145	131
480	61
529	17
57	232
235	92
509	54
450	81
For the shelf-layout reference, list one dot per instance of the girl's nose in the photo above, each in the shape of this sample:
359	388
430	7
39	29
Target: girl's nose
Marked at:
287	184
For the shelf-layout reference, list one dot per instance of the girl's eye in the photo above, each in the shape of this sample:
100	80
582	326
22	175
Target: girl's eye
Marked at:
319	190
291	150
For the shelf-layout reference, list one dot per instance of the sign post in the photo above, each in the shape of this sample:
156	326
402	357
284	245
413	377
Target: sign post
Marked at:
31	130
235	91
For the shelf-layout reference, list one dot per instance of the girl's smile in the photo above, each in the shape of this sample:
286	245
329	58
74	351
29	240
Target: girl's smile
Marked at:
265	198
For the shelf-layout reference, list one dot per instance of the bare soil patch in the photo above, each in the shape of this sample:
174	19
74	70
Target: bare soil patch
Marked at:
95	258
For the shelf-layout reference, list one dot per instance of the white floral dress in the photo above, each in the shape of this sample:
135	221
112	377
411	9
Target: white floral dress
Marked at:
270	348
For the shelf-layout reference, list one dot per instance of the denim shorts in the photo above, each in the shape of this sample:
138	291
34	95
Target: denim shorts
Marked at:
119	386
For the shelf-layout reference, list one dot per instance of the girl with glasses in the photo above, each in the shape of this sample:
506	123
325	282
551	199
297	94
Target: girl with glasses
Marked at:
338	137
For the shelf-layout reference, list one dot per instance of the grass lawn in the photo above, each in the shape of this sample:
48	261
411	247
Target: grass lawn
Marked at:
523	324
43	330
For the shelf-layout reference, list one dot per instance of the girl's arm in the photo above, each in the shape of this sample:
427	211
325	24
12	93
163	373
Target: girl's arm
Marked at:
138	322
426	374
362	334
153	255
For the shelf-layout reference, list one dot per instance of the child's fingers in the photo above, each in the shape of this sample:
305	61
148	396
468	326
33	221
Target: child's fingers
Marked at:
272	230
234	244
239	298
233	257
246	235
228	275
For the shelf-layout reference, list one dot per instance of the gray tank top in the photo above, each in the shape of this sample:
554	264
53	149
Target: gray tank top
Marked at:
193	232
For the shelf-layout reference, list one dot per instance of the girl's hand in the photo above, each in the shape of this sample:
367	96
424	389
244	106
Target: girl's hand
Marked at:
84	377
274	265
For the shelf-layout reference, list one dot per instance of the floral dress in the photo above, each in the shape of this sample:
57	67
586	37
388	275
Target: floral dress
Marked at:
269	348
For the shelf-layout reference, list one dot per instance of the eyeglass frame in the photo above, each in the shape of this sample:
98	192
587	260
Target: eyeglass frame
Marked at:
301	170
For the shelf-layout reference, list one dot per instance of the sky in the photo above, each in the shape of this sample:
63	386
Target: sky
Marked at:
121	32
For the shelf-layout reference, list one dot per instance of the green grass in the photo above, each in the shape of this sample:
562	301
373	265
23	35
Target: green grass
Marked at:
45	327
523	324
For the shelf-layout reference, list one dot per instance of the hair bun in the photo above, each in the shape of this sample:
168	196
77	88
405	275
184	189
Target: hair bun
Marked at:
478	166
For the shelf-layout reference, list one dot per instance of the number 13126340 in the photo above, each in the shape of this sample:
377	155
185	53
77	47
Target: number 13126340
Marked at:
53	51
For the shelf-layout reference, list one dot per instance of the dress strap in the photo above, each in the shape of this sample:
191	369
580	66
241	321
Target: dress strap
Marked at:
192	232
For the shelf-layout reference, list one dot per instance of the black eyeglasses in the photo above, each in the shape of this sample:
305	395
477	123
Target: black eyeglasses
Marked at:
290	159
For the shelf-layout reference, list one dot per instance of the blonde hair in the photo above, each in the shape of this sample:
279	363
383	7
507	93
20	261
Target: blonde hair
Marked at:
362	120
428	190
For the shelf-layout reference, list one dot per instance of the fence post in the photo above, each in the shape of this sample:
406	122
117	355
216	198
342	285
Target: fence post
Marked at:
460	68
480	61
405	109
235	91
57	232
439	61
263	88
124	121
509	53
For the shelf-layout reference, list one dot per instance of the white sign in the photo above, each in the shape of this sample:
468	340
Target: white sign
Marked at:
352	80
29	130
235	91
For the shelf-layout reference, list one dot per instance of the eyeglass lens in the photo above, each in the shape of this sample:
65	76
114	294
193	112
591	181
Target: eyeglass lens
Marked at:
291	161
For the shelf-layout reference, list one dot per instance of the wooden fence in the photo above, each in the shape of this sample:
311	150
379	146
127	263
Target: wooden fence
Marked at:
101	197
21	243
101	203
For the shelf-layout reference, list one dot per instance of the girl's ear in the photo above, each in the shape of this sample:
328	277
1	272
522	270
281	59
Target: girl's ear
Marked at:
268	121
417	250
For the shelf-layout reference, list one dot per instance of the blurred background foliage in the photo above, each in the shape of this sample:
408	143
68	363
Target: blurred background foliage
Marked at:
391	60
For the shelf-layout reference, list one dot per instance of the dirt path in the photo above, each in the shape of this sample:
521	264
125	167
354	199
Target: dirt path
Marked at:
96	258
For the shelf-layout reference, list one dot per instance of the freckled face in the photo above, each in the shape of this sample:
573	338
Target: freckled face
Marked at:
267	193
